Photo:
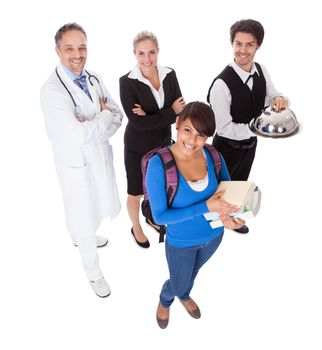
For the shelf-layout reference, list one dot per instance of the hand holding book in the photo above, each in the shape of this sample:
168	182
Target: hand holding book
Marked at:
231	222
244	195
216	204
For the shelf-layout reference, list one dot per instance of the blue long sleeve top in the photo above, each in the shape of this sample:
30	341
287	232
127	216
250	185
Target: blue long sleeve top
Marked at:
186	225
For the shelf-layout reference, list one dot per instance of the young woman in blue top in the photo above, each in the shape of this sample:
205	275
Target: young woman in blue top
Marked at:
190	240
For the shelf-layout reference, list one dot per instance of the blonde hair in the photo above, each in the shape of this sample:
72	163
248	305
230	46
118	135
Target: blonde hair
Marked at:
145	35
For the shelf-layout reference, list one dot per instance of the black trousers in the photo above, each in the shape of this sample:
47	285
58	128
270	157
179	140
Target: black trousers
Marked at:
238	155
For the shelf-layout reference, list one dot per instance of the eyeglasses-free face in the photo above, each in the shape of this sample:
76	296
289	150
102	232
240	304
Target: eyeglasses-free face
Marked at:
146	54
72	51
244	47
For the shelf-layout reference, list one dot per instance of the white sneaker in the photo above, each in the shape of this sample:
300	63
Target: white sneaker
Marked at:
101	288
101	241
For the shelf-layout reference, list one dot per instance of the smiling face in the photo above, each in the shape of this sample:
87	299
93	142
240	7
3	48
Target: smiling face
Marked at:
146	54
189	140
244	47
72	50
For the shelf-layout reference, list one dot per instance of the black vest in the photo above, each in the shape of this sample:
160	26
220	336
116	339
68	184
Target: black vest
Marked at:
246	104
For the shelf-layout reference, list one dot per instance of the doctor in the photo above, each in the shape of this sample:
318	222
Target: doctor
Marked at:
80	118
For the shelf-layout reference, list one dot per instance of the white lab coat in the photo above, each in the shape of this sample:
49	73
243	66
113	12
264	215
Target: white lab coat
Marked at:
83	155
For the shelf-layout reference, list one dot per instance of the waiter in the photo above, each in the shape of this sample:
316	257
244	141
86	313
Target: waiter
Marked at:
239	94
80	118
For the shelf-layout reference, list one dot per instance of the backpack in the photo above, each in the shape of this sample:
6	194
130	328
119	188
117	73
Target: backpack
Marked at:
171	178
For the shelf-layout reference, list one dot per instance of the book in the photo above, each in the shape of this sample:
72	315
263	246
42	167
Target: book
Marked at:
245	194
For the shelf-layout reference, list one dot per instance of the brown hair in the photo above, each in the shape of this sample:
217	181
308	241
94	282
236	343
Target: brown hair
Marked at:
201	116
248	26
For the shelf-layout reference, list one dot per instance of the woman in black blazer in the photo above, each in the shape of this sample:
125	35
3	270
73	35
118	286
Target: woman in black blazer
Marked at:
151	98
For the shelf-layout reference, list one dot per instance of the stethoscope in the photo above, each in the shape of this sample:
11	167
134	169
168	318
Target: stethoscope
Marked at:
93	81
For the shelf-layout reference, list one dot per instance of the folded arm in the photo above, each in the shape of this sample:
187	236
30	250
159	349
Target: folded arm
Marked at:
62	123
145	121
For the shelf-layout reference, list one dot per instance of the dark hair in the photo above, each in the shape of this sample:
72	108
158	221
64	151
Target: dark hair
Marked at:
201	116
65	28
248	26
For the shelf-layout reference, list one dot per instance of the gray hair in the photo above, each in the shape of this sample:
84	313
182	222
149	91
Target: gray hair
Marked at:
65	28
145	35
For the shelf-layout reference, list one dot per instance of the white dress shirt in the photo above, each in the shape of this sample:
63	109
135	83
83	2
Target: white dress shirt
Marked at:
220	100
158	94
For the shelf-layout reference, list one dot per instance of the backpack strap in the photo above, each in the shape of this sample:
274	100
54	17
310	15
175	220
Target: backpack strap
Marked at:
170	171
171	182
144	167
216	159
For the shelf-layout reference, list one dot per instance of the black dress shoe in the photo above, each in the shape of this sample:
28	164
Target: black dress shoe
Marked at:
145	244
244	229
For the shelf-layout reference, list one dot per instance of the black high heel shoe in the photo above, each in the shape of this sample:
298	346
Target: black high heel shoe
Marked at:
145	244
161	229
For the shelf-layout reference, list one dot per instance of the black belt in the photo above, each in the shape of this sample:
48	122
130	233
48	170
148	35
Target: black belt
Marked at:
240	144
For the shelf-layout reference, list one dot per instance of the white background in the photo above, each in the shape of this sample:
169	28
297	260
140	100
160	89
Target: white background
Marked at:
259	291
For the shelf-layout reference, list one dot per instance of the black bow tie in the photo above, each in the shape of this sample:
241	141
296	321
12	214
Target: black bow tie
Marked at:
251	76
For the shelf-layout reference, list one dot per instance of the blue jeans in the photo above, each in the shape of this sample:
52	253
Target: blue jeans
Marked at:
184	265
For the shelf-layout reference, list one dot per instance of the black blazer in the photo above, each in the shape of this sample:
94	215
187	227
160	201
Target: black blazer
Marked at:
153	130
